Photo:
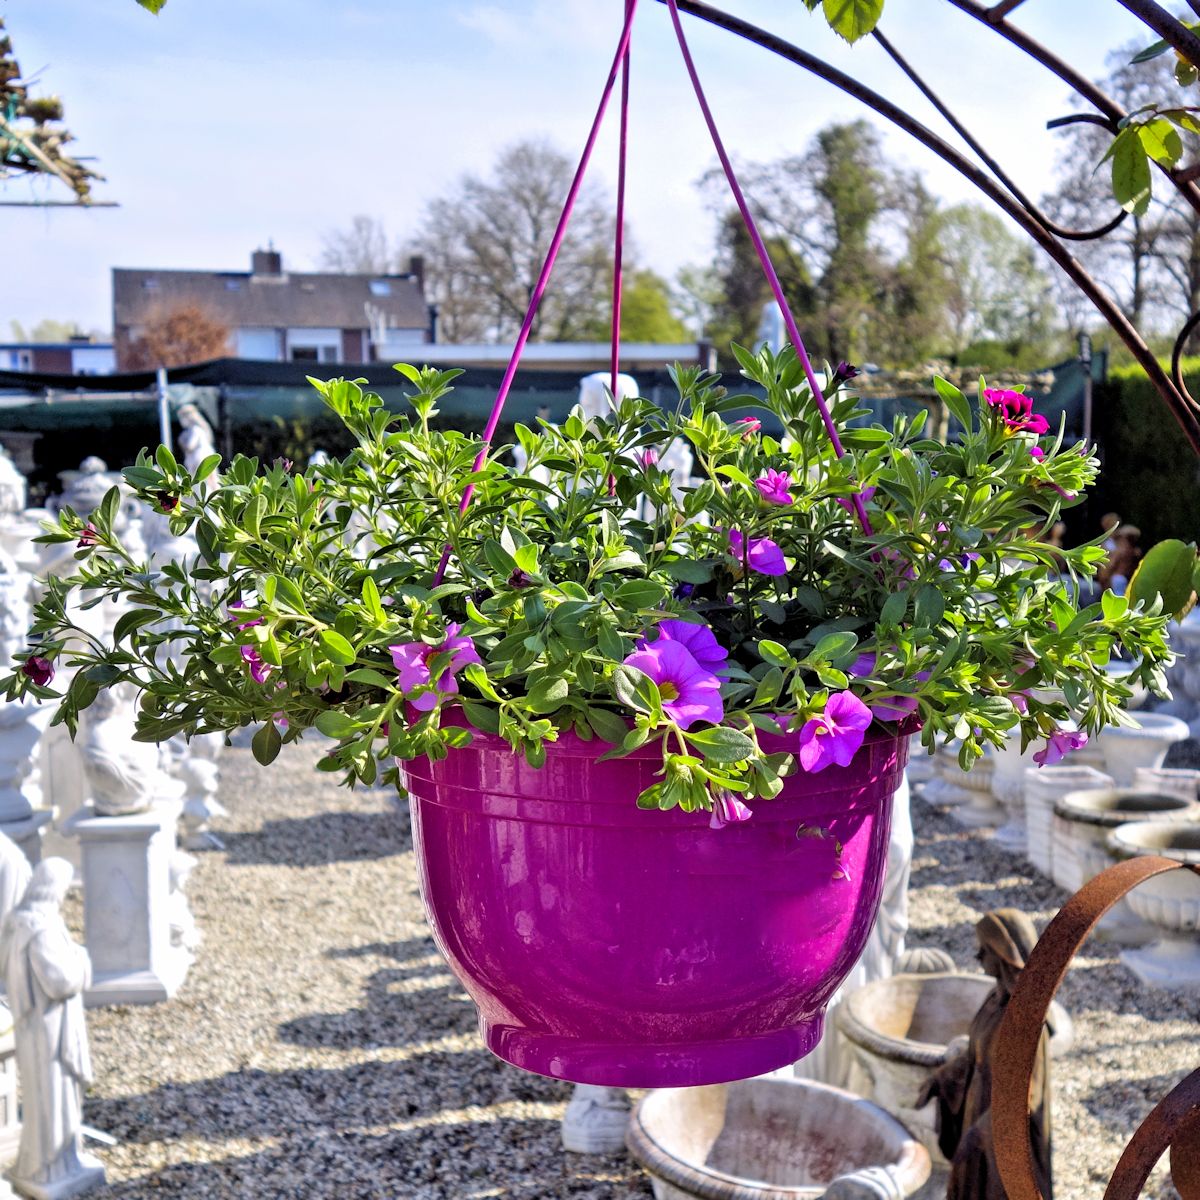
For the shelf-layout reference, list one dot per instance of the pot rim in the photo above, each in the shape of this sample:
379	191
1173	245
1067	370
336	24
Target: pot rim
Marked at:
1176	808
1121	845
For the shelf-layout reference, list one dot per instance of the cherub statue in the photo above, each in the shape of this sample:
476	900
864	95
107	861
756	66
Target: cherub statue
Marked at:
45	972
963	1087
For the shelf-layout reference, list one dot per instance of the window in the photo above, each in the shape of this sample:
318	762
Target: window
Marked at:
233	285
380	287
305	354
150	285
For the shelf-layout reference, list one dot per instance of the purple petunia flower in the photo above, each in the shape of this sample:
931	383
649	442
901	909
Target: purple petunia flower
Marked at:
682	590
411	659
865	496
648	457
698	640
836	735
1058	745
245	624
259	670
746	426
689	692
773	487
844	372
1016	411
39	669
895	708
763	556
727	809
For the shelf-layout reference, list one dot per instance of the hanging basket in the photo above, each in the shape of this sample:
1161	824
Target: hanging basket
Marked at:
608	945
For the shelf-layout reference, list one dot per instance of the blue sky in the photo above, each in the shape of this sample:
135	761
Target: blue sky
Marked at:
221	124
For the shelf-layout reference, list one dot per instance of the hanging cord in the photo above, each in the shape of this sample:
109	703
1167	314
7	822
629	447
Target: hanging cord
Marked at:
535	299
765	259
619	240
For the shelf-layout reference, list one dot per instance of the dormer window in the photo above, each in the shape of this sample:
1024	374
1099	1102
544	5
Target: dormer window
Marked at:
233	285
149	285
380	287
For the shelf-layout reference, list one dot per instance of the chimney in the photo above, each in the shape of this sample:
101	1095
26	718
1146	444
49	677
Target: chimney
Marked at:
433	322
416	268
266	262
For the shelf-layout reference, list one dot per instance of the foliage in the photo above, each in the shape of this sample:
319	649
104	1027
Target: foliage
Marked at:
362	249
175	337
317	600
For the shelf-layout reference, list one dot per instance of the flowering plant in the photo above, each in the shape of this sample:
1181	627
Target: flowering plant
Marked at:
787	590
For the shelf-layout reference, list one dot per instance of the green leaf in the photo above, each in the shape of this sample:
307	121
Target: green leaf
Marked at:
834	645
640	593
288	594
410	373
852	19
484	718
547	695
336	648
372	677
1161	141
1167	572
607	726
165	460
154	6
721	744
209	464
1130	172
930	606
336	724
775	654
266	743
954	401
372	601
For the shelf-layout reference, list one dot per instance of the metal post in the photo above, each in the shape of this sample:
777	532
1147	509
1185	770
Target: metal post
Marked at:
1085	361
164	409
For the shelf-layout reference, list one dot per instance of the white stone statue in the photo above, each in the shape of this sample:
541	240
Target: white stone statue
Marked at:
196	438
595	1120
45	972
123	776
595	397
15	874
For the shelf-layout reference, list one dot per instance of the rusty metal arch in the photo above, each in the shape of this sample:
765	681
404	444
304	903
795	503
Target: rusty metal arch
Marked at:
994	181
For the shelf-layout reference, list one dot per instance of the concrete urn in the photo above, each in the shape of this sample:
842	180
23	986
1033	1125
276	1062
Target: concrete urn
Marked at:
1170	903
773	1139
1126	749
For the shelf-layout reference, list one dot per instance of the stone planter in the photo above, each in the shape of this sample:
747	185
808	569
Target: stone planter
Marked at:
1125	750
773	1139
1043	786
968	794
1008	786
1175	781
1171	903
1084	819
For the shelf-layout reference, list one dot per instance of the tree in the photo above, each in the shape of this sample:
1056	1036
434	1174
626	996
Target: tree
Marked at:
646	311
174	337
46	330
362	249
484	244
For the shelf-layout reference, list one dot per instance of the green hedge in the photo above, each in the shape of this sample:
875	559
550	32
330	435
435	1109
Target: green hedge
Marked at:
1151	476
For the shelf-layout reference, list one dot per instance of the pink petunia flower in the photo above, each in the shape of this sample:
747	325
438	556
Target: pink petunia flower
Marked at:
648	457
689	692
747	426
1058	745
895	708
1019	701
259	670
88	537
39	669
411	659
773	487
244	624
836	735
762	555
698	640
1016	411
1037	452
727	809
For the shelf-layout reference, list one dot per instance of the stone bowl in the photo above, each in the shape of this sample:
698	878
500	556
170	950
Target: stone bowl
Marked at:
773	1139
1126	749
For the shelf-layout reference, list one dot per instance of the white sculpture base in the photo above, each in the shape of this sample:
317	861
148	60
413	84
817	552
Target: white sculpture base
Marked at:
90	1175
1173	962
10	1121
127	905
27	832
596	1120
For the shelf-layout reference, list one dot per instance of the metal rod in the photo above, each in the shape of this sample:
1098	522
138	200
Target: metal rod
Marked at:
164	408
1167	28
1181	406
999	11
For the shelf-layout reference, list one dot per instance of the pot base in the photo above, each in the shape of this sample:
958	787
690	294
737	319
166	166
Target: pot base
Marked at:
652	1064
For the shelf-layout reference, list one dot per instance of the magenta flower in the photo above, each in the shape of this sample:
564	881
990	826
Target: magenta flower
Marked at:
1020	701
259	670
747	426
648	458
844	372
895	708
412	661
611	484
727	809
1037	452
698	640
689	692
763	556
1058	745
865	496
40	670
1016	411
88	537
836	735
245	624
773	487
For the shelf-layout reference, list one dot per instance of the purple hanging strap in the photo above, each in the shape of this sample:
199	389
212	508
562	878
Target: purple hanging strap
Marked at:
765	259
619	241
535	299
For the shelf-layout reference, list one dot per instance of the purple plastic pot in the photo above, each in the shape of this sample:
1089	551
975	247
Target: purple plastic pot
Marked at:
605	944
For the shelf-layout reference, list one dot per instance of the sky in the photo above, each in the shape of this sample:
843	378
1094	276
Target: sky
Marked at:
224	124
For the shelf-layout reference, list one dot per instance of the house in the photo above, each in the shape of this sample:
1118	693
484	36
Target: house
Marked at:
282	316
79	356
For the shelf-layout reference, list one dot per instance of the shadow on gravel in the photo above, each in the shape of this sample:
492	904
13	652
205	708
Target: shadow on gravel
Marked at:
321	839
505	1159
313	1102
1122	1104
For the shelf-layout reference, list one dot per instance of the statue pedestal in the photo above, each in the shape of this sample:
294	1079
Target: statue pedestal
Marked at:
127	905
10	1121
27	832
89	1175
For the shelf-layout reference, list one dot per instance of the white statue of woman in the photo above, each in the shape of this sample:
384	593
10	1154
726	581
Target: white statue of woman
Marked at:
45	972
196	438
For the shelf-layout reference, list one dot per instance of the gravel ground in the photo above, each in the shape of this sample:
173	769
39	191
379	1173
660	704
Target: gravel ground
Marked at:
320	1048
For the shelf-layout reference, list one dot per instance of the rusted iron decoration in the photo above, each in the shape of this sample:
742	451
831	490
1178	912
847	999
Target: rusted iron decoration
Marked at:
1173	1124
994	181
